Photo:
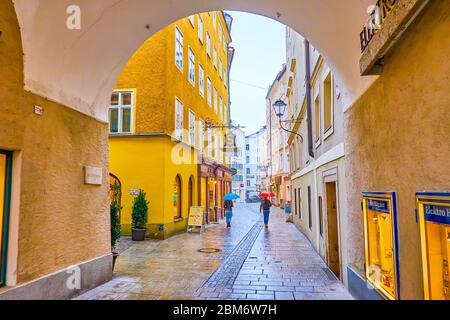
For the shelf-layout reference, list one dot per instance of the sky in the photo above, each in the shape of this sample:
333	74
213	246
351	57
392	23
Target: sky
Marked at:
260	53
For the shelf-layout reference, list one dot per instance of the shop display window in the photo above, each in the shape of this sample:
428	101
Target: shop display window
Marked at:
434	220
380	242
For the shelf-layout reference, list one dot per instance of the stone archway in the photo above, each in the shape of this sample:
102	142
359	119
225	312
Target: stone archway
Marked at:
113	30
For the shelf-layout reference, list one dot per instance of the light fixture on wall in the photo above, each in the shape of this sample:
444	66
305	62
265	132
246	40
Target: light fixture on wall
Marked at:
280	109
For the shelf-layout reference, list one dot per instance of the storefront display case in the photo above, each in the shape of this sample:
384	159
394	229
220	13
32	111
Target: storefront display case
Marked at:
381	244
433	213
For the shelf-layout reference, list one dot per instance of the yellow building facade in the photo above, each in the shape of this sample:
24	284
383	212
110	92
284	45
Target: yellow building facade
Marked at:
166	119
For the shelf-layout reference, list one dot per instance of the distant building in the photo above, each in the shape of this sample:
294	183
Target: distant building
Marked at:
255	162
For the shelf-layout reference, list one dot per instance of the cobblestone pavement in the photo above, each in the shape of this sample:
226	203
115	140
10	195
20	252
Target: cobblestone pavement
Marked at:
253	264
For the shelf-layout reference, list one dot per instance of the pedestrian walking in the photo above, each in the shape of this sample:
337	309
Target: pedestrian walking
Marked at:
265	209
228	212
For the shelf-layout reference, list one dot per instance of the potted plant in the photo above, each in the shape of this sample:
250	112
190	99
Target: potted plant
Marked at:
139	217
115	209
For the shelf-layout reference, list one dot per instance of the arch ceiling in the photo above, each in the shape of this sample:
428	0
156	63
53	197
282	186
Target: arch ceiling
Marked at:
79	68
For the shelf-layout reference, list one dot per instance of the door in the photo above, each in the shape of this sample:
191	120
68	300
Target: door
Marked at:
333	229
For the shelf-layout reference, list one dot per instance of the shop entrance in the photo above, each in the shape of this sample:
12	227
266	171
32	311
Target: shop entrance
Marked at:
5	190
334	260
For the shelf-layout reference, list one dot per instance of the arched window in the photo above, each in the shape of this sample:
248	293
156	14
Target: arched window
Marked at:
191	193
177	200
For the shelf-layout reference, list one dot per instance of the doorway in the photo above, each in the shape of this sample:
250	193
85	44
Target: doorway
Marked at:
333	251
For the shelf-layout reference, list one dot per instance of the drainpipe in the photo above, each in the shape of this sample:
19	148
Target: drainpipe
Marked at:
308	98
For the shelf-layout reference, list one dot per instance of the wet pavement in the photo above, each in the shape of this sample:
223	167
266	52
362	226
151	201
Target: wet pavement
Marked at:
252	264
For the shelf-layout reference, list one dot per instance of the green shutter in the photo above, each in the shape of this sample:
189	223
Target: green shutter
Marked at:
7	201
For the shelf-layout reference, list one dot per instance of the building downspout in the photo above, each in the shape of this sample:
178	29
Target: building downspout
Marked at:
308	98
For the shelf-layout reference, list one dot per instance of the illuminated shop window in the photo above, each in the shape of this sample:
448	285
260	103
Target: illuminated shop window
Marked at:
434	219
381	242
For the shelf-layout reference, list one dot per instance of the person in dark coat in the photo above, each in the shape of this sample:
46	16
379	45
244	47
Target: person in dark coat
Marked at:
265	209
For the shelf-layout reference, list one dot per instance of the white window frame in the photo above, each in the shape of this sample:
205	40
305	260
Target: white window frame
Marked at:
179	131
216	100
214	17
201	80
200	29
208	44
192	131
220	68
177	44
224	44
317	142
191	73
192	20
330	130
215	57
220	34
209	89
120	107
221	109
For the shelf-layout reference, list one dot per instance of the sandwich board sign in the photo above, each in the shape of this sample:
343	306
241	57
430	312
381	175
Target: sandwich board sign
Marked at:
197	217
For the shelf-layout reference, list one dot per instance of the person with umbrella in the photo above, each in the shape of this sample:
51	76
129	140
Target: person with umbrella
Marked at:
229	207
266	204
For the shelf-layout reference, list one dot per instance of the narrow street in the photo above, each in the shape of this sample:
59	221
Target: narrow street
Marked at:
253	264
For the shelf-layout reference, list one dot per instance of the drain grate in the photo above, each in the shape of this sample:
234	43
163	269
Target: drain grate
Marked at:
209	250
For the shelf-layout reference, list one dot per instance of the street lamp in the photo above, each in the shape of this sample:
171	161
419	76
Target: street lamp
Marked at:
280	109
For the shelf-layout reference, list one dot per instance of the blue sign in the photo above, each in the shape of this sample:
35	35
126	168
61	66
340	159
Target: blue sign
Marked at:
378	205
438	214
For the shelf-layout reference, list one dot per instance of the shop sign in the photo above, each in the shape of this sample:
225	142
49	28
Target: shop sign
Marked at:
438	214
378	205
93	175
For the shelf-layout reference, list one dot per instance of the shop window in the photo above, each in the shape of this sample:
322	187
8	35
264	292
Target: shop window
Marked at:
5	191
434	220
191	193
177	204
380	226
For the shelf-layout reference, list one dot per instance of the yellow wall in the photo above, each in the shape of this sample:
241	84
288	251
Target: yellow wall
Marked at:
145	163
62	221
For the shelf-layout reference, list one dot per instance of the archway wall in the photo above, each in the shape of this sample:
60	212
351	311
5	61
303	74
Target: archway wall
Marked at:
79	68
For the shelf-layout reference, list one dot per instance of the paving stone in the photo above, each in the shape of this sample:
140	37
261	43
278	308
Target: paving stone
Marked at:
260	297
